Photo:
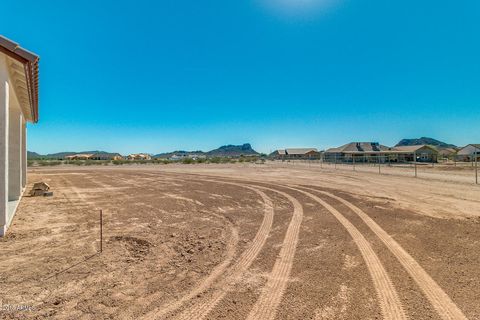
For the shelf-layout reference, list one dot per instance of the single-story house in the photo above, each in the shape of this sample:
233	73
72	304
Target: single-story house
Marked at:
419	153
356	152
18	105
139	156
449	153
106	156
278	154
468	152
296	153
79	156
360	152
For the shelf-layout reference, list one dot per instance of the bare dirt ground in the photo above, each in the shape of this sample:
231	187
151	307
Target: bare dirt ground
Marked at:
243	242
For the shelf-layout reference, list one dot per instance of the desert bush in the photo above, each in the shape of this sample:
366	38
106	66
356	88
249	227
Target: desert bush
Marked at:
44	163
215	160
188	161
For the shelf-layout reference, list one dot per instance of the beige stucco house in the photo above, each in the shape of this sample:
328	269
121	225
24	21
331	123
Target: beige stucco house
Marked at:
139	156
469	152
18	105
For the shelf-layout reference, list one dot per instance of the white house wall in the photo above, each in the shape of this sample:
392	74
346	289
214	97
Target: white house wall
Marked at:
4	116
13	151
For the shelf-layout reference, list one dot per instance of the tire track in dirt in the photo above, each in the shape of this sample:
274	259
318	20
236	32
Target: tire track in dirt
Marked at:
441	302
219	270
233	273
272	293
201	310
390	303
206	282
69	186
266	306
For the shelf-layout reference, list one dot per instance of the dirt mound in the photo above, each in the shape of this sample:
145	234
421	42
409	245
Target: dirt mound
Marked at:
136	247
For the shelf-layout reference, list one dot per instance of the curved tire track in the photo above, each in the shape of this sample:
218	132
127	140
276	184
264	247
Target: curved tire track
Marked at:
441	302
201	310
206	282
266	306
390	303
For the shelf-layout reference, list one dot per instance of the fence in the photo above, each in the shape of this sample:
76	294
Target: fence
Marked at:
464	172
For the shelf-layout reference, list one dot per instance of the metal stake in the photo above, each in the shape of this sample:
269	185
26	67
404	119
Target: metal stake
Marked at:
379	164
101	230
476	167
415	162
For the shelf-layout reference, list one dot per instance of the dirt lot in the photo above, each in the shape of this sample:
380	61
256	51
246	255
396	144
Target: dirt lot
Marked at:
242	242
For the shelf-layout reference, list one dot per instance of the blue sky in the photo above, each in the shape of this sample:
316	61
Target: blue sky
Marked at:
154	76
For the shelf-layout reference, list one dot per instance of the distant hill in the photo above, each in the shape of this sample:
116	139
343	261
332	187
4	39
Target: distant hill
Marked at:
233	151
33	155
61	155
424	140
223	151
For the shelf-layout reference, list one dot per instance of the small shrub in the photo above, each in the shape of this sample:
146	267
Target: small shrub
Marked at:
188	161
44	163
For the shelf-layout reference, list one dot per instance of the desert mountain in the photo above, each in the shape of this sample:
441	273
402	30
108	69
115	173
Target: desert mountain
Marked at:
424	140
61	155
224	151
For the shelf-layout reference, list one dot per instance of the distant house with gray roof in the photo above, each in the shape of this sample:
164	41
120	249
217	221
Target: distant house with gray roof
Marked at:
355	151
359	152
295	153
468	152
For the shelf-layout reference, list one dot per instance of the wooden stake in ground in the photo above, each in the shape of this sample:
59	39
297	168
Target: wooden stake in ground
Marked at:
379	172
476	167
415	162
101	230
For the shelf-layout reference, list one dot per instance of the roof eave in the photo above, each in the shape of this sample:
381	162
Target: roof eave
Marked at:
30	62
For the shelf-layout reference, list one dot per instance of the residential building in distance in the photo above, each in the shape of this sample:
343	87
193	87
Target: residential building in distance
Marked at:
106	156
139	156
420	153
446	153
373	152
296	153
355	151
469	152
79	156
95	156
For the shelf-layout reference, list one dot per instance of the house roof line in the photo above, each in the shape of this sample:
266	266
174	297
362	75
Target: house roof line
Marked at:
30	63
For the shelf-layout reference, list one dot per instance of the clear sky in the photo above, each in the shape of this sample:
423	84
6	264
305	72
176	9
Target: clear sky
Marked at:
154	76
